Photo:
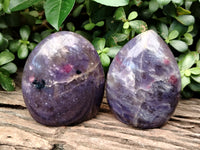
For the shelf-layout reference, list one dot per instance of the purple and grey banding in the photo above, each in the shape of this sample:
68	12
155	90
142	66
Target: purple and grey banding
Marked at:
63	80
143	82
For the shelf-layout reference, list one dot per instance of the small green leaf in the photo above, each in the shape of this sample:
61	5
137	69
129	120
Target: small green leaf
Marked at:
173	34
153	5
56	11
188	38
185	81
105	60
6	57
182	11
196	78
22	53
113	51
25	32
186	20
188	60
198	46
16	5
163	2
100	23
132	15
31	46
14	45
126	25
120	14
187	73
6	6
70	26
190	28
195	70
179	2
179	45
194	86
6	82
37	37
113	3
105	50
10	67
163	30
3	42
119	37
99	43
89	26
138	26
178	27
45	33
77	11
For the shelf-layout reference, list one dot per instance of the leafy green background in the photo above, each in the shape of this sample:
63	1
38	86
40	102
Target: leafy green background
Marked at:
107	24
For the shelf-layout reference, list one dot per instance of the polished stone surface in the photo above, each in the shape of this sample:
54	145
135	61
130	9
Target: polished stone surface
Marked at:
63	80
143	82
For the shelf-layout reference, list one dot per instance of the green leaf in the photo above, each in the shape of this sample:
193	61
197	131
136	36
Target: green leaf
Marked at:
186	20
14	45
37	37
89	26
120	14
184	82
138	26
196	78
6	82
163	2
163	30
178	27
45	33
25	32
188	60
119	37
179	2
182	11
195	70
194	86
56	11
16	5
153	5
188	38
113	3
77	11
10	67
3	42
126	25
105	60
6	57
113	51
198	46
100	23
31	46
6	6
173	34
179	45
99	43
70	26
132	15
22	53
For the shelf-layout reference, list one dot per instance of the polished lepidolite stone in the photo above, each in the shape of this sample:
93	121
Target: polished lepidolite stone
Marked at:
143	82
63	80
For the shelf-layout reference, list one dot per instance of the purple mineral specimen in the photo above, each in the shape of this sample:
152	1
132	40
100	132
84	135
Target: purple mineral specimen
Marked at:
63	80
143	82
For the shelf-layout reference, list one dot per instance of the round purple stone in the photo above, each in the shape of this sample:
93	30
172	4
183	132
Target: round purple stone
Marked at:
63	80
143	82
